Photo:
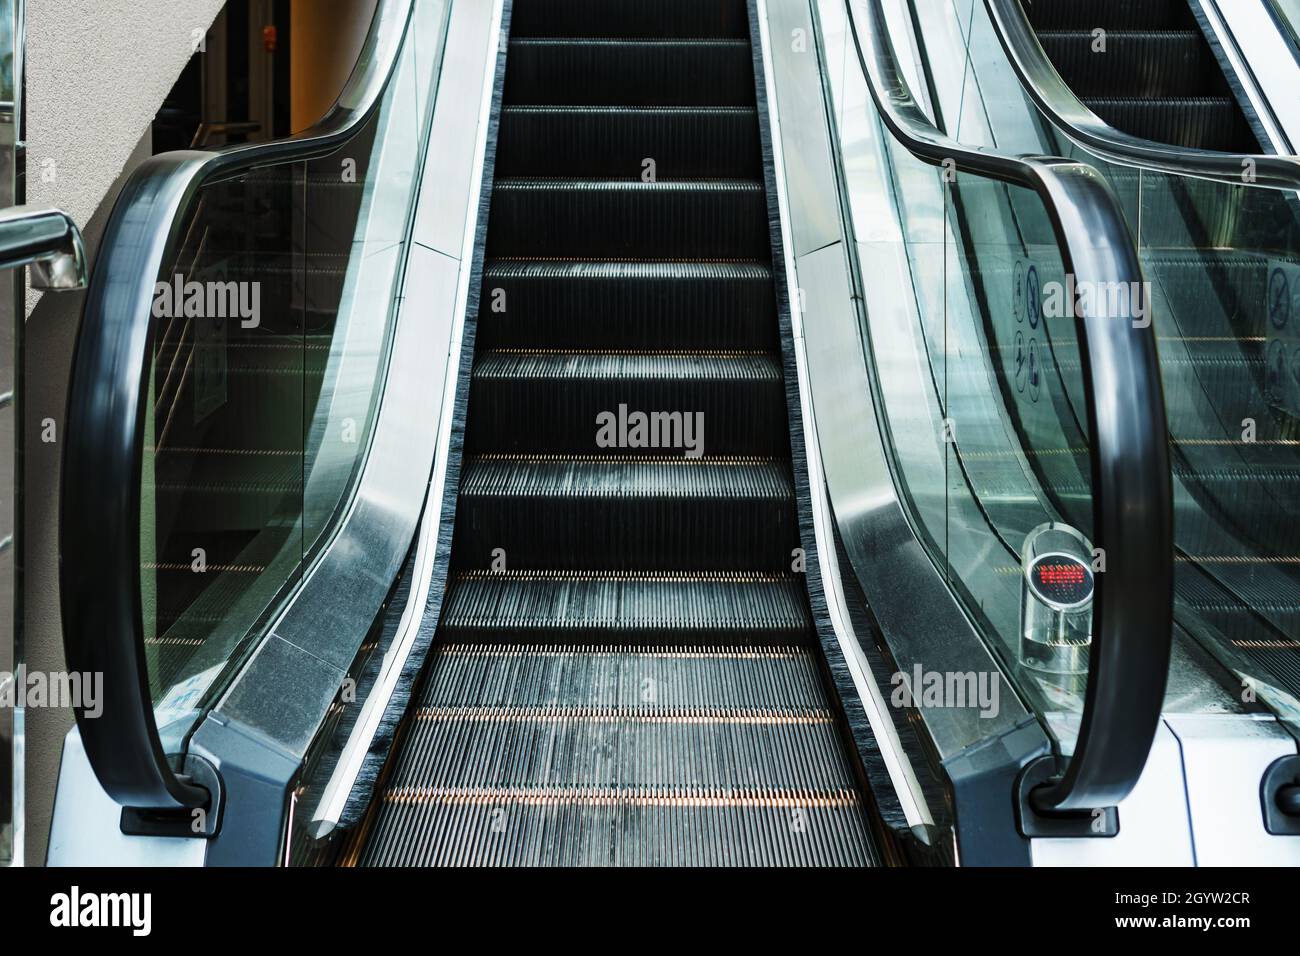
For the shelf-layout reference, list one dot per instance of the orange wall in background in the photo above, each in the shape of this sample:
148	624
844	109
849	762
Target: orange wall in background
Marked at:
324	40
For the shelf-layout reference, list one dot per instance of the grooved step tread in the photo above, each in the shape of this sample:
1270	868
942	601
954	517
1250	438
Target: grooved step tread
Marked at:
569	365
630	18
665	826
632	112
585	402
648	754
626	513
639	682
621	219
1194	122
721	676
617	477
679	142
581	749
747	608
627	72
547	185
633	43
629	304
1145	63
651	271
1109	14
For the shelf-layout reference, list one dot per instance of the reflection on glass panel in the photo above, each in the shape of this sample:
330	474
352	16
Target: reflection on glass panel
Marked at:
1222	268
271	331
979	382
224	485
983	397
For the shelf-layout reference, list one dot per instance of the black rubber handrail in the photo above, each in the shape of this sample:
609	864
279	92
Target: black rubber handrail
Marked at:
1059	103
99	533
1132	494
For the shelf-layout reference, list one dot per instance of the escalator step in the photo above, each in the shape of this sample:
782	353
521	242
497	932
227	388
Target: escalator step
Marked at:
614	142
1258	616
1109	14
1279	658
588	219
679	825
208	491
629	73
1216	382
1213	294
653	608
685	404
629	18
1239	602
1193	122
625	670
632	305
652	755
1135	63
229	472
638	747
1265	498
771	674
619	513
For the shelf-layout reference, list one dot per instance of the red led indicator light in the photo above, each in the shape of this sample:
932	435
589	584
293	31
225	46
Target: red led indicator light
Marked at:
1064	574
1061	581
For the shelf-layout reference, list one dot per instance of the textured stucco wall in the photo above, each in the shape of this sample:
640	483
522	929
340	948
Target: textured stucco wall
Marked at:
96	75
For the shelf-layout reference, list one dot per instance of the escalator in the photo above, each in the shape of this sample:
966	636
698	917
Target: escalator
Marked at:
1219	236
1145	67
625	670
531	524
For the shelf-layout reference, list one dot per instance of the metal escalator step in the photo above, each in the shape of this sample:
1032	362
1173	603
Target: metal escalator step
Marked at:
1135	63
229	472
596	755
192	606
1279	658
620	513
1281	476
266	354
744	671
629	18
680	825
603	219
554	401
657	72
691	607
1257	486
1212	294
1258	617
615	142
625	669
1109	14
1215	397
1194	122
577	747
630	305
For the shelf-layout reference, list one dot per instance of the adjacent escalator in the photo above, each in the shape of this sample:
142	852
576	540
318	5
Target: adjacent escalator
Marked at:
1222	259
1145	67
626	669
